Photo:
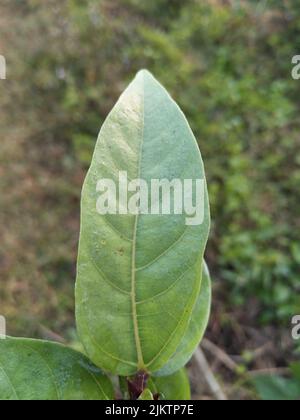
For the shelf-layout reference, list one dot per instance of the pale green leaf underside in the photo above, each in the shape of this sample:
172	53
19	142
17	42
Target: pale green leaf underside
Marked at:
172	387
196	329
40	370
139	276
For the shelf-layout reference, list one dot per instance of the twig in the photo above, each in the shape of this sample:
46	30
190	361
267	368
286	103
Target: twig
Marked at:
51	335
207	373
261	351
220	355
270	371
255	354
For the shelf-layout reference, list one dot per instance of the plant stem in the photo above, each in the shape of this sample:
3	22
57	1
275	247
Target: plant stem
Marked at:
137	384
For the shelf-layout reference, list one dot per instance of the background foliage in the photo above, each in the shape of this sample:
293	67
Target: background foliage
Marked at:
228	64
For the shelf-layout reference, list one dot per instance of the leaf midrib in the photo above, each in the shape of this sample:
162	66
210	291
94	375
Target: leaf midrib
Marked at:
140	358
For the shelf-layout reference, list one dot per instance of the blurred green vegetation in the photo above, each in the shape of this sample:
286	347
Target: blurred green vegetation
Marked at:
275	387
228	65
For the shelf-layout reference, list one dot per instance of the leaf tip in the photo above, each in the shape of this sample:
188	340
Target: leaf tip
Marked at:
144	74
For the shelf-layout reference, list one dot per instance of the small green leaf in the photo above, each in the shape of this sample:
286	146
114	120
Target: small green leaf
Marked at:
139	275
146	395
273	388
196	329
173	387
40	370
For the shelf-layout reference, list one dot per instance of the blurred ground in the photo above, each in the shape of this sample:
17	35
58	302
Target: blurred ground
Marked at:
228	64
39	229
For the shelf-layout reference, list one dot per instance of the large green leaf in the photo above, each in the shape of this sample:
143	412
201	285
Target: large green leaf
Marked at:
196	328
172	387
139	276
40	370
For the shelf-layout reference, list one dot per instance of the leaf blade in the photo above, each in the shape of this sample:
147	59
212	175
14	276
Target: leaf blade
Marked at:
175	387
119	289
146	395
196	328
40	370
